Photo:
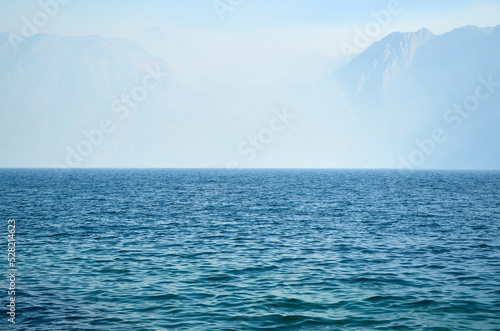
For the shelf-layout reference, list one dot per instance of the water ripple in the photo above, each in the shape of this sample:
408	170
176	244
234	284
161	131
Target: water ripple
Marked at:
255	250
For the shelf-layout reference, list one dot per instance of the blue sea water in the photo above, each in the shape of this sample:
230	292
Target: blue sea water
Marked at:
253	249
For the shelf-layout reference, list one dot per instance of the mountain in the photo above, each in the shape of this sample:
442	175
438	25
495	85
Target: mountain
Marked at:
369	74
406	84
55	90
420	58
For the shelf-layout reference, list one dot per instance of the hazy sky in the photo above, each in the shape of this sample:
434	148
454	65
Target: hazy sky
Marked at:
322	24
237	61
115	17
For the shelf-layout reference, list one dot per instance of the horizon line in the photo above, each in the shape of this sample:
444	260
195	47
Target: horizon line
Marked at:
235	169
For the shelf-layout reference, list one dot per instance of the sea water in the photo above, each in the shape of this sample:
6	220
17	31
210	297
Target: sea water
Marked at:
253	249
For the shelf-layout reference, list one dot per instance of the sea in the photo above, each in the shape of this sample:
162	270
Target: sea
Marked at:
263	249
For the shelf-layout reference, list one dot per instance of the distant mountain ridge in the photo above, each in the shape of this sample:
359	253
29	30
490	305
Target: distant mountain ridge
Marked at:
406	84
55	88
369	76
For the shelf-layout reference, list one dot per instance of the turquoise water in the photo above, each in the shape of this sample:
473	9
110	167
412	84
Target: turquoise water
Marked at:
254	250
